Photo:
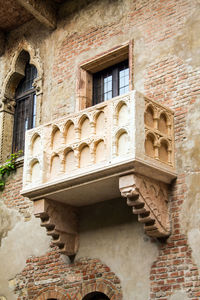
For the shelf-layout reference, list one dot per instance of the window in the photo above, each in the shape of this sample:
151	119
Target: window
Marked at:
111	82
105	76
25	110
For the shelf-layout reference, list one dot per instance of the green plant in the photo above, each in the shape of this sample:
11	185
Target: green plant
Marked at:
8	167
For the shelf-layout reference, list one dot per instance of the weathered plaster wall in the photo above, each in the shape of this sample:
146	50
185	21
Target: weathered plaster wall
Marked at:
179	296
110	231
20	236
8	220
24	240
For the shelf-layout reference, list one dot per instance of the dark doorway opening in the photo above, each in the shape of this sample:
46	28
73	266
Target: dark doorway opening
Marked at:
96	296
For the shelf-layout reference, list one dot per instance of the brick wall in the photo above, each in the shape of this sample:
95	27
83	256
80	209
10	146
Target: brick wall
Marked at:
175	84
11	194
47	275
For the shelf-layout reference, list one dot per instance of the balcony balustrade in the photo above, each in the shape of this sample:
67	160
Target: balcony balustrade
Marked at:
89	156
129	132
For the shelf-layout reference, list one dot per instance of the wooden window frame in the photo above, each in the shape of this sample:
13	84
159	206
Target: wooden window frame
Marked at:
105	60
98	80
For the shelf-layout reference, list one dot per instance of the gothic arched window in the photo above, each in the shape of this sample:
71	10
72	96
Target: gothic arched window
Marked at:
25	109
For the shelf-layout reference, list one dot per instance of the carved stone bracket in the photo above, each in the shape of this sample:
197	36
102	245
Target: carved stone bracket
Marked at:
61	222
148	199
7	104
37	84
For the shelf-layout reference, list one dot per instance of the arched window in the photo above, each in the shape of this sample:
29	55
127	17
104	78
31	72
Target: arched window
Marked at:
25	109
95	296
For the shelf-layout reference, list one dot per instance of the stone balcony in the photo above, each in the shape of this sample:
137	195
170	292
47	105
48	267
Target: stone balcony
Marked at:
100	153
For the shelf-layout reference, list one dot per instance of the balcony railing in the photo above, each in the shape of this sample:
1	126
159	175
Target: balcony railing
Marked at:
78	159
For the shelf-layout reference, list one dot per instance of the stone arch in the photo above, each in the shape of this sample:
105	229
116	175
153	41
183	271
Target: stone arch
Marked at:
56	136
34	168
55	292
102	287
164	150
121	142
17	67
149	115
151	143
23	53
100	122
85	158
100	151
84	126
70	160
35	144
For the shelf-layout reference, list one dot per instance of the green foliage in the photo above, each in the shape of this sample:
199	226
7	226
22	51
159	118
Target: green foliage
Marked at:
8	167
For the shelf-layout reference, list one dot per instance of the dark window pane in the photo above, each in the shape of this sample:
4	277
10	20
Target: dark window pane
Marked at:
107	88
25	110
26	83
34	110
111	82
123	80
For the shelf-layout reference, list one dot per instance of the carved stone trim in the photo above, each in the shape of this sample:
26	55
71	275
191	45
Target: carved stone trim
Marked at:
7	93
17	67
159	132
7	105
61	222
148	199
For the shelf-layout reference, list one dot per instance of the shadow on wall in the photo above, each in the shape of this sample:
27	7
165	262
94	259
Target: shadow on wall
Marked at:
106	214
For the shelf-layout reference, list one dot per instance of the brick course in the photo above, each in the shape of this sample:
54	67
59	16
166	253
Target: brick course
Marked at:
49	275
173	83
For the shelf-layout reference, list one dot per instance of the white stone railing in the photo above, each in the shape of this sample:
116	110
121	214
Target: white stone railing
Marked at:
122	130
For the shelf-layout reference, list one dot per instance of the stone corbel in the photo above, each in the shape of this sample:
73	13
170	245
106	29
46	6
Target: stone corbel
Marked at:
37	84
61	222
7	105
149	200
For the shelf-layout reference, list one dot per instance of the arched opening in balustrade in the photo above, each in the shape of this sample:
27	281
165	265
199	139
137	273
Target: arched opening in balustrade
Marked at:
149	116
162	123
